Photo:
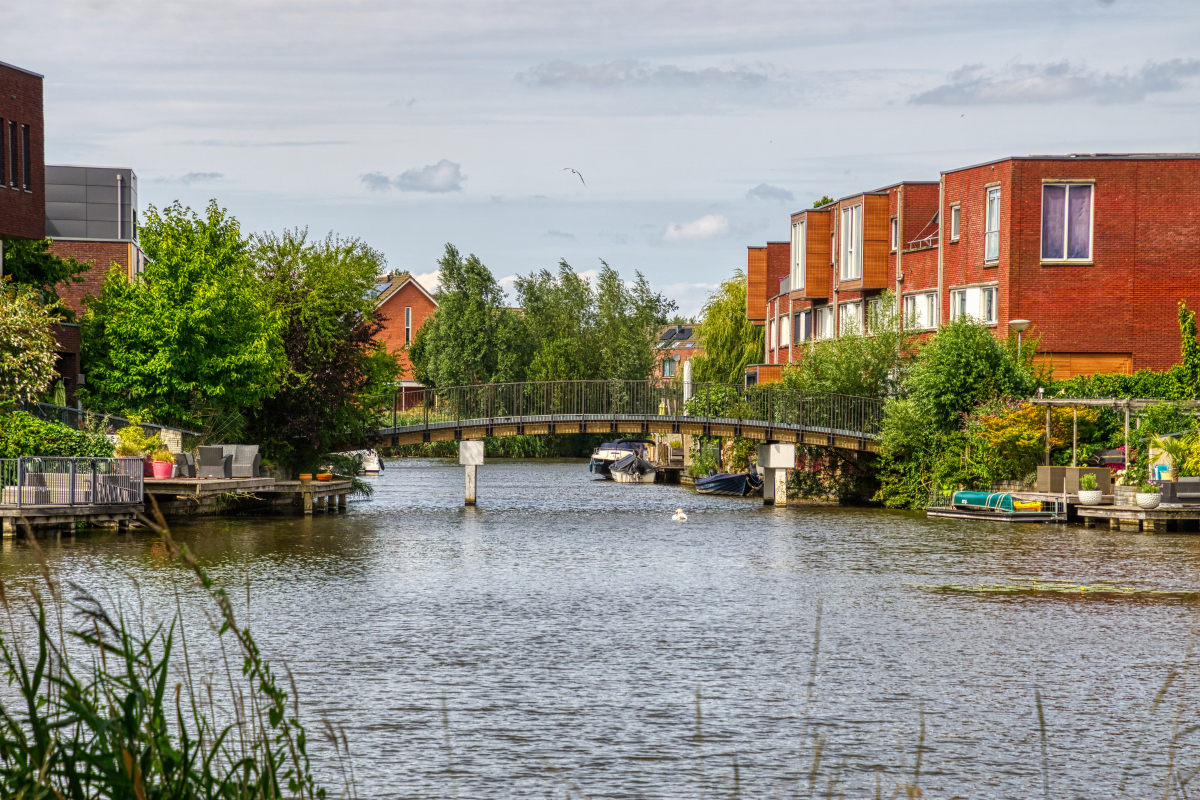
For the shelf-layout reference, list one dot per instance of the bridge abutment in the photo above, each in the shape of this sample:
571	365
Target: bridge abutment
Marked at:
775	459
470	455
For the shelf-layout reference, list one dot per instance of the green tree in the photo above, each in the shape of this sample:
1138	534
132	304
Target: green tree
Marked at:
195	334
28	351
29	262
731	342
458	345
627	320
559	313
322	291
863	364
824	201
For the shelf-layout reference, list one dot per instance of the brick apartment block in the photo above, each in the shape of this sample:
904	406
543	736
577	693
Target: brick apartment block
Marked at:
22	197
1095	250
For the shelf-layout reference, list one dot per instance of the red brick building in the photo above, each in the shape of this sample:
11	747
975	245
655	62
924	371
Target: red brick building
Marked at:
677	345
1095	250
404	304
22	178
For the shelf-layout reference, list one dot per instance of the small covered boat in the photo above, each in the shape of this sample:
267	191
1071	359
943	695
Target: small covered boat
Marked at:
607	454
633	469
968	504
734	484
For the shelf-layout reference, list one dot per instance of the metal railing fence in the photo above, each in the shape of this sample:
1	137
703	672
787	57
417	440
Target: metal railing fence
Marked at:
622	400
87	420
53	481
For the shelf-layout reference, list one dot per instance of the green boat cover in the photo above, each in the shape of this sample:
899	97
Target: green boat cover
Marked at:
995	501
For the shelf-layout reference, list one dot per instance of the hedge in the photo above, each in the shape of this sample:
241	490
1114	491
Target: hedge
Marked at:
22	434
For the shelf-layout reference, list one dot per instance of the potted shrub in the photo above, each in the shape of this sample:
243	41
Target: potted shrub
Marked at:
132	442
1148	496
164	463
1089	495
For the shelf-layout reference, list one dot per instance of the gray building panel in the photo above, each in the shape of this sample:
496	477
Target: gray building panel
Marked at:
66	211
102	212
102	230
68	175
66	229
65	193
84	202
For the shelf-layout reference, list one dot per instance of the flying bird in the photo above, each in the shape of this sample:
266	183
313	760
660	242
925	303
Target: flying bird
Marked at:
577	172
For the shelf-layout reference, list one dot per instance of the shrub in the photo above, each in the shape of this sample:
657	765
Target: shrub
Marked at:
163	454
1088	482
133	441
22	434
1148	488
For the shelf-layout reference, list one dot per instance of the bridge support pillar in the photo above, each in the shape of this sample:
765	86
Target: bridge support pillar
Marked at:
775	459
470	455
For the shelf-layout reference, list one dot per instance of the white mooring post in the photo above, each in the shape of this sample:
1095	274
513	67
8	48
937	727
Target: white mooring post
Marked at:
775	460
470	455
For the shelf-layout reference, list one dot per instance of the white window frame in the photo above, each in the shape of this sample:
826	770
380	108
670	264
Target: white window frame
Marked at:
894	228
802	335
844	315
785	331
972	302
955	221
798	253
771	334
851	243
407	324
920	310
989	304
672	370
991	226
823	323
1066	222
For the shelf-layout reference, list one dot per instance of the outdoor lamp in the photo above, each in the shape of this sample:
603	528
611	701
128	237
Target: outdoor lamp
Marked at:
1018	325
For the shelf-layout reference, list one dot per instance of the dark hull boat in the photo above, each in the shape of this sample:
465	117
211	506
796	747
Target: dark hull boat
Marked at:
734	484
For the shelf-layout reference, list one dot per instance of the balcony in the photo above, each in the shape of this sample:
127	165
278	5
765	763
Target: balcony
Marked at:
785	284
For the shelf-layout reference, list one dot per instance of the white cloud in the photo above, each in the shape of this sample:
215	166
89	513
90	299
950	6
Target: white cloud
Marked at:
628	72
195	177
1051	83
429	280
707	227
444	176
765	191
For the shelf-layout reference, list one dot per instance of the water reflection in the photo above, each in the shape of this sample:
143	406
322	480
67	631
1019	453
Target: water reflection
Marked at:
568	623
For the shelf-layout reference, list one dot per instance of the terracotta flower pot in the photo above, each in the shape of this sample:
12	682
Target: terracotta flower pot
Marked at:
163	469
325	477
306	478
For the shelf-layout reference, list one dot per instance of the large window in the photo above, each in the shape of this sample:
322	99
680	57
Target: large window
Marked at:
668	366
920	310
26	162
13	152
851	242
1067	222
850	318
977	303
955	221
804	327
798	242
823	328
991	236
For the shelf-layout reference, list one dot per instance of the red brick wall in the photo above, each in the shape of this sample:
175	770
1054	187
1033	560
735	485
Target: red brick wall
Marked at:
22	212
392	335
779	265
102	256
1145	255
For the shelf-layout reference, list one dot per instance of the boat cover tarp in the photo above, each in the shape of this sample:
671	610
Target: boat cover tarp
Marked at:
994	501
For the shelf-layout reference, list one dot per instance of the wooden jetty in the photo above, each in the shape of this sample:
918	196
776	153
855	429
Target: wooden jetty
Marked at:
60	517
185	497
1164	519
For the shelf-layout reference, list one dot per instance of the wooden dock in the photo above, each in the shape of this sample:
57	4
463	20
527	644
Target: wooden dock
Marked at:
1164	519
13	519
186	497
315	496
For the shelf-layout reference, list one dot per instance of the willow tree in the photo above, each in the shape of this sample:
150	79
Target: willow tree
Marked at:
730	340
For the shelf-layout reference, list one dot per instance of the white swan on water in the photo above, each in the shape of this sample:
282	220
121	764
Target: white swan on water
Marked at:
679	516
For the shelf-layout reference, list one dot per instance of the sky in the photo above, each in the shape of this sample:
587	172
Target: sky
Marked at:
697	127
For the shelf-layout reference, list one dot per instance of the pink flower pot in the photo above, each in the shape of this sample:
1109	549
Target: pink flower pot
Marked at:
163	469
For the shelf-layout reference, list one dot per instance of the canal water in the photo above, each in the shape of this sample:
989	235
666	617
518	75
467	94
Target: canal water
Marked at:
560	638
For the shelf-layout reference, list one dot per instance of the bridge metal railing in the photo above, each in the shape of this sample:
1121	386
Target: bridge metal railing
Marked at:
53	481
496	403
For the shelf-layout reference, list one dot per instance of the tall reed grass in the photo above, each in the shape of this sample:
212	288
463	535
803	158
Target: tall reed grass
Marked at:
111	704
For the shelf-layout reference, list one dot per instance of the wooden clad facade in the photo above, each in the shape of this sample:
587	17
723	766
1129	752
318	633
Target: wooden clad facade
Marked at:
756	285
1070	365
816	258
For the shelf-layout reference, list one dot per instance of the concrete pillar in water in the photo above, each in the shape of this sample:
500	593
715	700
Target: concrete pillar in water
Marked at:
341	502
470	455
775	459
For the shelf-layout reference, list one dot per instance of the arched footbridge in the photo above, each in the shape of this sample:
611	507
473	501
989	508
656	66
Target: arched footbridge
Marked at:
768	413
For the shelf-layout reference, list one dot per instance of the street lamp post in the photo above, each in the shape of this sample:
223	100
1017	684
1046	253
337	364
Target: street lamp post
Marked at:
1018	325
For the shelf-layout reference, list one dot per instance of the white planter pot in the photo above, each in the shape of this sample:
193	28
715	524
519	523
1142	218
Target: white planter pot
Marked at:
1148	500
1090	497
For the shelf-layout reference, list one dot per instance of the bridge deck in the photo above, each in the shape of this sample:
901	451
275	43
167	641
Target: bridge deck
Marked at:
480	427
